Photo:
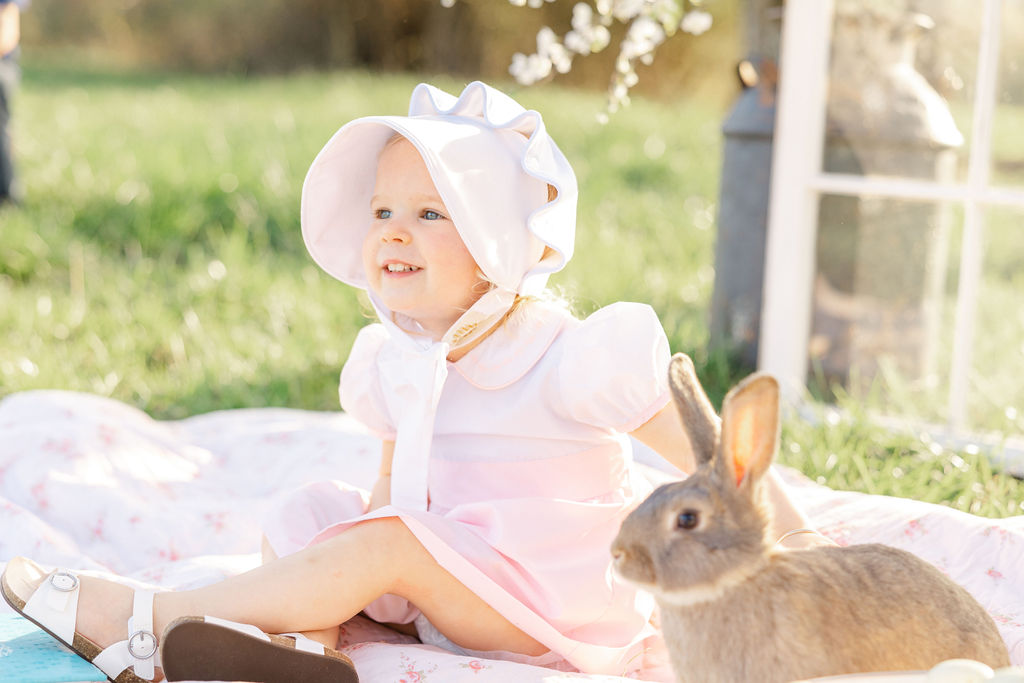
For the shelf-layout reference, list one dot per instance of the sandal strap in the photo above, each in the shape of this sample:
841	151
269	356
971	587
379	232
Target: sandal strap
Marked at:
139	650
302	643
54	604
247	629
306	644
142	640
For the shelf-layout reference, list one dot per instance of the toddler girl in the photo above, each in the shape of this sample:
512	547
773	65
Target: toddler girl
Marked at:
506	467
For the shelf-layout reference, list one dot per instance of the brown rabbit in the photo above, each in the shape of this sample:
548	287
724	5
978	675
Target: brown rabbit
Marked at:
733	608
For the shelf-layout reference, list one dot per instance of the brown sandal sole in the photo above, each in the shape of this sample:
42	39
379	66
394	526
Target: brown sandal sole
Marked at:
193	649
81	646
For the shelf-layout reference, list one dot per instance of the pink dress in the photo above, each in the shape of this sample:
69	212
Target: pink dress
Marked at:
527	477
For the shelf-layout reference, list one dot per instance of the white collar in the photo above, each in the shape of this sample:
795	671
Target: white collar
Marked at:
413	371
512	350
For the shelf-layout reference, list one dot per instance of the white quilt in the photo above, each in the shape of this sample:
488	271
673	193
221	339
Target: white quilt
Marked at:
92	484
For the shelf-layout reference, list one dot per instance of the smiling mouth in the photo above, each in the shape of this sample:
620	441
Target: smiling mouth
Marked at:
400	268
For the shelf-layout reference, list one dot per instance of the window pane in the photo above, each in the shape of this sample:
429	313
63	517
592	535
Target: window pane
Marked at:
883	303
1008	124
996	395
901	89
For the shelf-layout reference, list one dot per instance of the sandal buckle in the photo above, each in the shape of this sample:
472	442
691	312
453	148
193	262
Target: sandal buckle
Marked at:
142	644
64	581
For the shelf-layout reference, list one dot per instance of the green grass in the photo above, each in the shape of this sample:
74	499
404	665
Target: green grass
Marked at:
158	258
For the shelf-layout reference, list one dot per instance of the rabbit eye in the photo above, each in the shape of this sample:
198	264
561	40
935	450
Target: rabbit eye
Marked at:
687	519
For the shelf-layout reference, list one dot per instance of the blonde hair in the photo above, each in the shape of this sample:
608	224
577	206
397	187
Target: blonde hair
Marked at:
391	142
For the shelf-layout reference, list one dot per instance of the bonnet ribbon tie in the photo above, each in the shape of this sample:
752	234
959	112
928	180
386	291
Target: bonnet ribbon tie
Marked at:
413	371
412	381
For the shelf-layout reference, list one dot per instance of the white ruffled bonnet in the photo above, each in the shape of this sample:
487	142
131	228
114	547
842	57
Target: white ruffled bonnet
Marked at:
491	161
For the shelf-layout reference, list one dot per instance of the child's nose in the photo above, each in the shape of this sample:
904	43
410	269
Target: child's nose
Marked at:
395	231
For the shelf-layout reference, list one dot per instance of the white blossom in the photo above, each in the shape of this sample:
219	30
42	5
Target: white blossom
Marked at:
586	36
667	13
649	24
518	67
553	51
577	42
624	10
695	22
527	70
643	36
582	15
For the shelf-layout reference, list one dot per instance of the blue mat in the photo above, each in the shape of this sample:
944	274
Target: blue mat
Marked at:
30	655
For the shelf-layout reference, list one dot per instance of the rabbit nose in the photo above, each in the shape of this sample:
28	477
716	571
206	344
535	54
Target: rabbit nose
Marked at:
620	553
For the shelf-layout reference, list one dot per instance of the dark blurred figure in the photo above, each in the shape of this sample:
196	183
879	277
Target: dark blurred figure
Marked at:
10	35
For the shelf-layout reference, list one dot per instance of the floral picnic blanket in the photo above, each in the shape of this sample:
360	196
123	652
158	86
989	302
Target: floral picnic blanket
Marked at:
96	485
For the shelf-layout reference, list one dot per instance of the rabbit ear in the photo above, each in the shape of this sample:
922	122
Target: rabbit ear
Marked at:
699	418
750	428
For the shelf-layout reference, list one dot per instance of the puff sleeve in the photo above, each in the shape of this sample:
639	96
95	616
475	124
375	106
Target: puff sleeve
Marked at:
360	390
614	368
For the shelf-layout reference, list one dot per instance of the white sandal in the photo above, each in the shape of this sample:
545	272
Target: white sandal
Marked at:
53	607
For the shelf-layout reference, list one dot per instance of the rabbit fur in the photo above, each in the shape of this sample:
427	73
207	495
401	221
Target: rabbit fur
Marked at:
733	608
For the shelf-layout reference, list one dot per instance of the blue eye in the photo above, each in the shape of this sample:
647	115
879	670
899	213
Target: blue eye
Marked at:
432	215
382	213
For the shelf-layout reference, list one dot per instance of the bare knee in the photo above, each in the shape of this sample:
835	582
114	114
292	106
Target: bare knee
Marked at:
391	538
386	546
378	536
391	529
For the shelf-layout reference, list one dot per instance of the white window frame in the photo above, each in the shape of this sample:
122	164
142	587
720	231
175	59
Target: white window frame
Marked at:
799	182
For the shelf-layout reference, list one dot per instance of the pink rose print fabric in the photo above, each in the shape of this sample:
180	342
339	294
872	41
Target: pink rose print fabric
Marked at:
93	484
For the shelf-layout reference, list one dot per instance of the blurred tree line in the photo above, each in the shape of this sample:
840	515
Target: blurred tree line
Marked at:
475	38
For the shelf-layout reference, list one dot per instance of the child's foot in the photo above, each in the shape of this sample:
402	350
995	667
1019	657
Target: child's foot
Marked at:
99	620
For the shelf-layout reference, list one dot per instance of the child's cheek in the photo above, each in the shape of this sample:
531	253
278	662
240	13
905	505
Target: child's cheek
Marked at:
369	255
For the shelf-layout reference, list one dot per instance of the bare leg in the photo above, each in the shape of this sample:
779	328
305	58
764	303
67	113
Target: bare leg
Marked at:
328	637
321	587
